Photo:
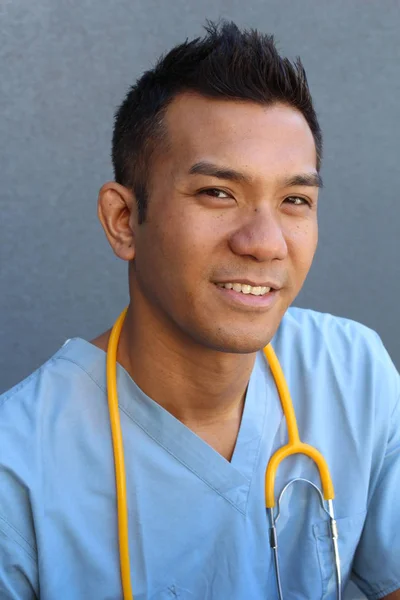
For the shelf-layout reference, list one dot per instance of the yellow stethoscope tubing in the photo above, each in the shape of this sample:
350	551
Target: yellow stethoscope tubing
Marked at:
294	446
119	461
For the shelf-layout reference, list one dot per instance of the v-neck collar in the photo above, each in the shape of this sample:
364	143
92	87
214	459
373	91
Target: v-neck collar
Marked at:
232	480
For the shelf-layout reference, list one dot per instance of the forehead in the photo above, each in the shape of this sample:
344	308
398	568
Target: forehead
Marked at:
238	133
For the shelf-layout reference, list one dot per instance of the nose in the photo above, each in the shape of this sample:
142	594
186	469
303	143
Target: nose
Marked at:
260	237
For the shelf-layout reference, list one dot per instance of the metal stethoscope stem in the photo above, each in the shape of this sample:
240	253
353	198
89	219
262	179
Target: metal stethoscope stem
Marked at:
333	530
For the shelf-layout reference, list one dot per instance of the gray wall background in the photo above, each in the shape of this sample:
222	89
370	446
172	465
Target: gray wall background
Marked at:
64	67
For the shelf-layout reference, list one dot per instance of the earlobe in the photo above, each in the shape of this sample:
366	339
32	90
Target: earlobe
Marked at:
115	206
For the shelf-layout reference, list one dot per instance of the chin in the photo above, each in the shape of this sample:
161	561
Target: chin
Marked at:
239	342
244	347
244	336
235	334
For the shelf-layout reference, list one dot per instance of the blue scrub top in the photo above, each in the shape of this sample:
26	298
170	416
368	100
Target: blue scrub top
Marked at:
197	523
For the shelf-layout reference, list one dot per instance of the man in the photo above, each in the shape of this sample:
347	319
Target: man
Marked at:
217	153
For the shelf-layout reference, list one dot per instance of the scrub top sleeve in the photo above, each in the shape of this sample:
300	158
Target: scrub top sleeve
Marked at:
376	568
18	571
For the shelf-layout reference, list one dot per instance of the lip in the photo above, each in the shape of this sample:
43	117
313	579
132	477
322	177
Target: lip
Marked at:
248	301
270	284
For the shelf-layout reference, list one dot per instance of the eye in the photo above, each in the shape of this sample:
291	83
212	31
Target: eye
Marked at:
297	201
215	193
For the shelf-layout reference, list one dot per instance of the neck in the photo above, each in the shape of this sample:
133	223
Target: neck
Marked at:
194	383
203	388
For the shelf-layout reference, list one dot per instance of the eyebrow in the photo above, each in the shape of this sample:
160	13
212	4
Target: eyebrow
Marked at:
305	179
313	179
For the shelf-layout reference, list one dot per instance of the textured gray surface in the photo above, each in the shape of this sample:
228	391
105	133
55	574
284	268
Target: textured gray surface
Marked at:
64	67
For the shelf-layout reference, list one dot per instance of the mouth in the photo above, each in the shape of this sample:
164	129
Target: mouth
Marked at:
244	294
245	288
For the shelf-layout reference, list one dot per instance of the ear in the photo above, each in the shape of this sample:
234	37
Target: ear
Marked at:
117	213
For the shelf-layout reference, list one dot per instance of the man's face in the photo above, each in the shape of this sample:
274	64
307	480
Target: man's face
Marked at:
225	207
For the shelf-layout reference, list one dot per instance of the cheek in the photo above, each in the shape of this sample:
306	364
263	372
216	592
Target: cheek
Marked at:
189	237
176	250
302	241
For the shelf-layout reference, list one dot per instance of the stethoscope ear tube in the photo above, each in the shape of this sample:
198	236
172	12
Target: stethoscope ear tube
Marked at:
119	461
294	446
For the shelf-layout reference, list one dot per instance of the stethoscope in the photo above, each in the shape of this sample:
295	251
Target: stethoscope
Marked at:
294	446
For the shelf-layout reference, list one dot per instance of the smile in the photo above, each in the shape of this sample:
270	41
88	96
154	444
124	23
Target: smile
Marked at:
244	288
248	297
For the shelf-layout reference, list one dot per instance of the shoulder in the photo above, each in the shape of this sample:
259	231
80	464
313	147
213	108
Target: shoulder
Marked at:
71	381
316	325
76	365
338	351
314	331
38	415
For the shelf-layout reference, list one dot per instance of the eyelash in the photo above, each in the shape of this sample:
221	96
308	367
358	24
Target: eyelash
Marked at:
207	191
305	202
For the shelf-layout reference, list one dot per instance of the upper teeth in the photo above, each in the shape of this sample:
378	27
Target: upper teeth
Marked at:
246	289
